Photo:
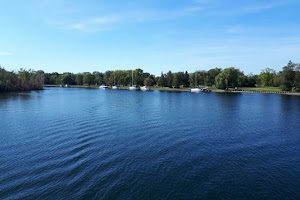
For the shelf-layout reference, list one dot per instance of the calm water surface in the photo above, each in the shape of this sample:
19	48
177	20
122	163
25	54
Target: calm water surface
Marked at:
68	143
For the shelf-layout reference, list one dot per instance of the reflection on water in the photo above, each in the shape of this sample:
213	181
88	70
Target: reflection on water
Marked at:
106	144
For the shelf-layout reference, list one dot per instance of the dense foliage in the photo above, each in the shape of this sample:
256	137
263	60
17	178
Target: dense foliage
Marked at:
21	80
288	79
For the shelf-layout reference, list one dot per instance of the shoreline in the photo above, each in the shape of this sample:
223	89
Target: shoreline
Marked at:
188	90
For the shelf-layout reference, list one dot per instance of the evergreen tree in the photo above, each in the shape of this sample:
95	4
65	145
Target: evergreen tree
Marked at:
169	79
288	77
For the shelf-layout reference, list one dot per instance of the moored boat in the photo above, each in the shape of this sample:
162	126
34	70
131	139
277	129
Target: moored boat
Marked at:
133	87
197	89
103	87
115	87
145	88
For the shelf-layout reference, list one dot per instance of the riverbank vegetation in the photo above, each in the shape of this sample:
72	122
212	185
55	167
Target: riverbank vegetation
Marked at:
230	78
21	81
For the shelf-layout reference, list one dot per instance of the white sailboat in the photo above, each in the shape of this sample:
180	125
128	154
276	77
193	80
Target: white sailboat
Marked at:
133	87
145	88
196	89
115	87
104	87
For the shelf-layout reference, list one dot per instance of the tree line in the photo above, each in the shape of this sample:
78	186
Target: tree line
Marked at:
288	79
118	77
21	81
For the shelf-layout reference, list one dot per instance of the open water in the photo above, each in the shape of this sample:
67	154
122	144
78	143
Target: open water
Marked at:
71	143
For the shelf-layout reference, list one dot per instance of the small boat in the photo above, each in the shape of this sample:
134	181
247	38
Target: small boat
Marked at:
134	87
115	87
145	88
197	89
103	87
67	85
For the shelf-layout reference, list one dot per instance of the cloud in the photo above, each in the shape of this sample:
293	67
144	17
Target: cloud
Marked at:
93	24
251	8
221	8
6	53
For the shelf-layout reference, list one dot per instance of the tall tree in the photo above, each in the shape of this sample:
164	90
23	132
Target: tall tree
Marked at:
67	78
288	77
148	81
88	78
267	77
169	79
297	78
79	79
178	79
161	80
186	79
228	78
211	76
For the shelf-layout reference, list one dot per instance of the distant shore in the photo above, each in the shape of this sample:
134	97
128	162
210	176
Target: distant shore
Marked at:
188	90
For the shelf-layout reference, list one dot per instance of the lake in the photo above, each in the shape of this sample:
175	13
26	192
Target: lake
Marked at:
74	143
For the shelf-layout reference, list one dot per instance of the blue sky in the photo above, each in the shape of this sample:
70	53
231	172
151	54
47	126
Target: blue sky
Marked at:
155	35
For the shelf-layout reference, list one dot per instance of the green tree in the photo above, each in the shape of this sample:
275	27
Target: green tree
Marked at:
111	80
66	78
178	79
148	81
138	77
106	76
288	77
297	78
98	78
88	78
252	80
211	76
276	80
228	78
169	79
161	80
79	79
267	77
242	81
186	79
221	81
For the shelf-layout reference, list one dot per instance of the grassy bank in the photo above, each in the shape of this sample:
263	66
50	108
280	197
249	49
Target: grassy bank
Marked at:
262	89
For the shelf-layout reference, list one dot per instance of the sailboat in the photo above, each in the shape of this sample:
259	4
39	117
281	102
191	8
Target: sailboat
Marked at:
196	89
115	87
145	88
104	87
133	87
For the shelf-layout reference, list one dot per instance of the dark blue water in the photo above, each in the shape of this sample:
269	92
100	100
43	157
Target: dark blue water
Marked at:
67	143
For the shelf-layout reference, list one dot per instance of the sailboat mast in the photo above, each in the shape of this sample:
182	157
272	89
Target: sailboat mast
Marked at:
195	79
132	77
114	78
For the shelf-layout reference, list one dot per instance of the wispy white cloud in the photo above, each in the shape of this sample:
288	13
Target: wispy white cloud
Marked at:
238	8
6	53
91	24
69	16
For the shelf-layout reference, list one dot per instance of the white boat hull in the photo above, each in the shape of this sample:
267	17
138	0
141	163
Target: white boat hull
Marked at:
103	87
196	90
145	88
115	87
133	88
